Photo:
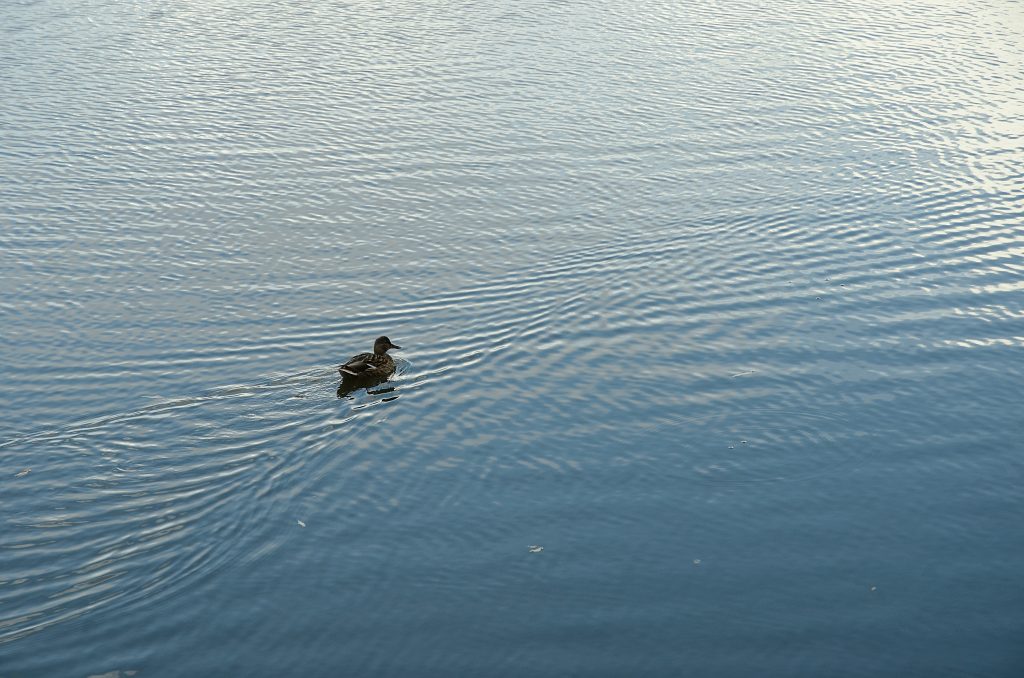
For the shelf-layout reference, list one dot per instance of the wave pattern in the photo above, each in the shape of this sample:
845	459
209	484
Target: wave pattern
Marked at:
634	252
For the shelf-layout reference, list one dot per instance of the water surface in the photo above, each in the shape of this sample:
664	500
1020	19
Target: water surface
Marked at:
718	303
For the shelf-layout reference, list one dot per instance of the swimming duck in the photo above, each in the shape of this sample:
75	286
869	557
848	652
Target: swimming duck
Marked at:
371	365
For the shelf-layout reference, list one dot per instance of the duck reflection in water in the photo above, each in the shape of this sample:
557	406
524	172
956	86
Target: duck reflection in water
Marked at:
367	370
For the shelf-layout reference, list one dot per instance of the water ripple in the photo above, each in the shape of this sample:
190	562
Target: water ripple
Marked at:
617	242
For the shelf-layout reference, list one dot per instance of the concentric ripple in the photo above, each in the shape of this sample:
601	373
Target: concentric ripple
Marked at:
125	508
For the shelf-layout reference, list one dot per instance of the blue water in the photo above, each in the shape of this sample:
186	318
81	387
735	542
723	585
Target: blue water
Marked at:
720	304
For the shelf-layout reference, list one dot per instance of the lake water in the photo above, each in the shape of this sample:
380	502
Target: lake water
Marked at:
720	303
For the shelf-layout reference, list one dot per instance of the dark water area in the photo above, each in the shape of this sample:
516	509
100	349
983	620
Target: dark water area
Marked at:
720	304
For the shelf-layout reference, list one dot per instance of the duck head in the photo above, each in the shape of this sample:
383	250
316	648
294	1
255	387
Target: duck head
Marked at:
383	345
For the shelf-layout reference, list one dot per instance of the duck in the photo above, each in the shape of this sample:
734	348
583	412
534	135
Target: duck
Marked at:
376	365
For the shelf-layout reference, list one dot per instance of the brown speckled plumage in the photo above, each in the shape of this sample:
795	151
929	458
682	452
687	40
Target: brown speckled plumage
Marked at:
377	364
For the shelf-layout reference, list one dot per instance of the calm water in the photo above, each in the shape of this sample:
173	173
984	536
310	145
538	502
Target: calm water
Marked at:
721	304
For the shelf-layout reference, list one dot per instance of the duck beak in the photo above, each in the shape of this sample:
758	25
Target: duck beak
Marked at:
395	346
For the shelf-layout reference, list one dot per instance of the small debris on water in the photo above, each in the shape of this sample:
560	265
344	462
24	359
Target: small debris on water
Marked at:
696	561
301	524
874	588
22	472
743	442
535	549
